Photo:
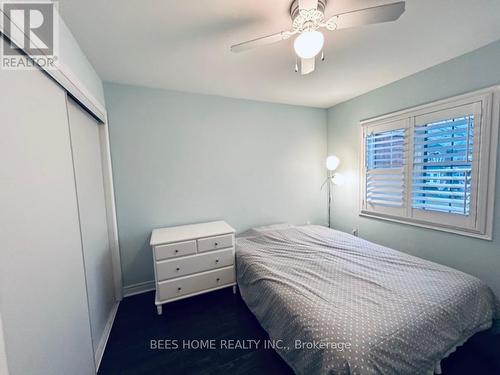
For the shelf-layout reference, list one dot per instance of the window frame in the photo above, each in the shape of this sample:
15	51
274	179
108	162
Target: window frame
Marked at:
479	223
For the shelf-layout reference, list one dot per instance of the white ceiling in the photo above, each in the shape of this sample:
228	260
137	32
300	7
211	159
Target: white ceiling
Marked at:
184	45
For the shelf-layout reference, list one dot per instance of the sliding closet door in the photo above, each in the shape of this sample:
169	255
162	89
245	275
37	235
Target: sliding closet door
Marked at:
43	300
85	143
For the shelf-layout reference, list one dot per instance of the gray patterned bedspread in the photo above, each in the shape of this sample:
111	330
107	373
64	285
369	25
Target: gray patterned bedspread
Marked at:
343	305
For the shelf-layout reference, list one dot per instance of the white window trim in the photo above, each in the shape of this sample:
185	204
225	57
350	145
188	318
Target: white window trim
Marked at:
490	98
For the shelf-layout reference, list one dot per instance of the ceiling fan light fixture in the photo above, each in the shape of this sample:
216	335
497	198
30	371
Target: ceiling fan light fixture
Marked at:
308	44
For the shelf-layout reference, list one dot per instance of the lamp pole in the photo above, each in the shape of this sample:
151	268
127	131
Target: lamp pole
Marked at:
329	187
332	162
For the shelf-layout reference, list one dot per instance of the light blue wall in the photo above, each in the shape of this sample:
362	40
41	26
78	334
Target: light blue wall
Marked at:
469	72
181	158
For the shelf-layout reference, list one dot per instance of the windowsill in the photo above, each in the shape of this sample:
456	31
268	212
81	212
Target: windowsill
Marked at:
459	231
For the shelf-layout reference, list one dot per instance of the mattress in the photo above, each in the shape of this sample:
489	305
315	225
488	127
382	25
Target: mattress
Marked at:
336	304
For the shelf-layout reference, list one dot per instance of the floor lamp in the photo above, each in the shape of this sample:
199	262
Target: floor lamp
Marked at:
332	163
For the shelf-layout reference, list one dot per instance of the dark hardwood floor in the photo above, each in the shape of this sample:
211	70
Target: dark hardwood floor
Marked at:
218	316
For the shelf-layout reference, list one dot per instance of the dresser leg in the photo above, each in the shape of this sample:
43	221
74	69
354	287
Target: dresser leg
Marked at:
159	309
234	289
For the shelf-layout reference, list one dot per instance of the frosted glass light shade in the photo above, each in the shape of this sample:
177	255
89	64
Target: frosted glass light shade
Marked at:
332	162
308	44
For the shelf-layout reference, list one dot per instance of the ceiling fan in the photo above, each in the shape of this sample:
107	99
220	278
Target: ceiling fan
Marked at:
308	17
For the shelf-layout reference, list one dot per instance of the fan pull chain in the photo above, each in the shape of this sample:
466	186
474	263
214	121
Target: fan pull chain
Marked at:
322	56
296	65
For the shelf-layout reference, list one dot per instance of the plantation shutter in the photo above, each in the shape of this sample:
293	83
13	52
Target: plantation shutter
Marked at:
442	165
385	167
445	157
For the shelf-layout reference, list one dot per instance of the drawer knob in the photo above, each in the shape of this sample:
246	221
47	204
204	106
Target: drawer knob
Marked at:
179	289
218	279
176	251
177	269
216	244
217	261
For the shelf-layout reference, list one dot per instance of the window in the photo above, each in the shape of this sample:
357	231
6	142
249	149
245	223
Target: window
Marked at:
434	165
442	165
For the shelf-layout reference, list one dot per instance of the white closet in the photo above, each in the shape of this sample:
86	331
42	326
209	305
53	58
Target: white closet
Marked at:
85	144
56	280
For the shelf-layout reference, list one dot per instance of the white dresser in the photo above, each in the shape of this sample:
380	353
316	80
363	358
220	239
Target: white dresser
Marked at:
192	259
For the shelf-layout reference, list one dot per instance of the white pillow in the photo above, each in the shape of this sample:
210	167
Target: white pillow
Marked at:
267	228
258	231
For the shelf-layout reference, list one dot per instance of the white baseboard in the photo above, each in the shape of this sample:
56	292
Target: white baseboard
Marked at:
105	335
139	288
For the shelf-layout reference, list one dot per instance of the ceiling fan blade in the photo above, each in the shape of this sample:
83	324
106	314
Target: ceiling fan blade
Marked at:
270	39
378	14
307	65
308	4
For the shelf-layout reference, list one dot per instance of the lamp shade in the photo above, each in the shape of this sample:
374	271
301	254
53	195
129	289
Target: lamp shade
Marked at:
332	162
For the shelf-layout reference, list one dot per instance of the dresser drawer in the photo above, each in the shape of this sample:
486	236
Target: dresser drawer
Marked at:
169	269
214	243
196	283
175	250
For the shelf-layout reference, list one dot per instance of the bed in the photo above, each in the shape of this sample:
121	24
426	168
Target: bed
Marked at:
336	304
